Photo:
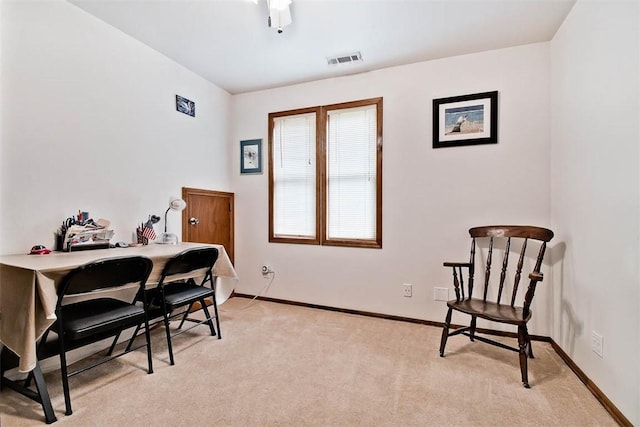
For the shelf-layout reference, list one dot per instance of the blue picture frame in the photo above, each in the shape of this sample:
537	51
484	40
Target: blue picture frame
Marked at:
251	156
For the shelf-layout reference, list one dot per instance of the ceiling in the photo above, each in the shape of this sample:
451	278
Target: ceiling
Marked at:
229	43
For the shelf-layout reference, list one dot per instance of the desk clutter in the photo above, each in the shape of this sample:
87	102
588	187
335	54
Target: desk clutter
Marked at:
145	231
82	233
78	233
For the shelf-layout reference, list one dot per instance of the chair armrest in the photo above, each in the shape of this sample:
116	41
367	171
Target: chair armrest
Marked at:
458	283
536	276
456	264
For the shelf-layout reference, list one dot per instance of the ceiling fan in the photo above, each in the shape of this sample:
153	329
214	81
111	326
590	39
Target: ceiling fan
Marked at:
279	14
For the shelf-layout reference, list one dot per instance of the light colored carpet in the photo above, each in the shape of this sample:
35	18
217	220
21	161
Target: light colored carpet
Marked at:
283	365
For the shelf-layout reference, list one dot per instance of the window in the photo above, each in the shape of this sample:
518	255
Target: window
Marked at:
325	175
293	176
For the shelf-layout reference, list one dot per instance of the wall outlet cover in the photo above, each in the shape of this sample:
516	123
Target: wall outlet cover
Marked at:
441	294
407	290
597	343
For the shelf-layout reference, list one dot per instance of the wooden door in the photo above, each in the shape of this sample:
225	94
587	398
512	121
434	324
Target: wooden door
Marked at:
208	218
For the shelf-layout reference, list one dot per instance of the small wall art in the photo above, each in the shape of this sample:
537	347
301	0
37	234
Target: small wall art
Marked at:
185	106
251	156
465	120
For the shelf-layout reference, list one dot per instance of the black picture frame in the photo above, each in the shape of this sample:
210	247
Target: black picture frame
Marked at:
465	120
251	156
185	106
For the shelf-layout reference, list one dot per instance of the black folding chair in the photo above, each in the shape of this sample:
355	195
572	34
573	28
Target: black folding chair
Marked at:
97	316
177	288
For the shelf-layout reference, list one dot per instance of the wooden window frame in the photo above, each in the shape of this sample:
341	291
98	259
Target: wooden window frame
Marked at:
321	181
293	239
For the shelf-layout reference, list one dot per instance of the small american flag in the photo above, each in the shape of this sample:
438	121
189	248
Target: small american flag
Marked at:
148	231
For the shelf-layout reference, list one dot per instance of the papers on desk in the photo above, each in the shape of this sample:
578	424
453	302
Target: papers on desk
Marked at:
80	237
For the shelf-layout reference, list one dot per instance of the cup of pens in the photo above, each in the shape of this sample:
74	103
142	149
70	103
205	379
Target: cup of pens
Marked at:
140	237
145	231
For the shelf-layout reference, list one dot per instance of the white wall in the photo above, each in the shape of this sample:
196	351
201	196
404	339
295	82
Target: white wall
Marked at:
430	197
89	123
595	193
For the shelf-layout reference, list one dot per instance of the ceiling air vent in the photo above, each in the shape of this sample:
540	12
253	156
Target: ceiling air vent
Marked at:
344	59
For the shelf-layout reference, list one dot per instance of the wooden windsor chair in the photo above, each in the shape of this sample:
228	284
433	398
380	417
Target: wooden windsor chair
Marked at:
505	238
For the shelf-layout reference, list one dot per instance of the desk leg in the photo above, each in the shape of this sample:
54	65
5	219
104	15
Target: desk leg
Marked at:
42	396
49	415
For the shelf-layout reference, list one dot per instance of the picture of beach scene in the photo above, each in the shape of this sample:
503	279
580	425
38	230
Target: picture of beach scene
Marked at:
464	120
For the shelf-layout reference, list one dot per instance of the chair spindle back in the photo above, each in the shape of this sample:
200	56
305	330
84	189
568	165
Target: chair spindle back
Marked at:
506	232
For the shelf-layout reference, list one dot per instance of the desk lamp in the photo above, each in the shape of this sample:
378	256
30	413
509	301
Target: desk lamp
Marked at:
175	204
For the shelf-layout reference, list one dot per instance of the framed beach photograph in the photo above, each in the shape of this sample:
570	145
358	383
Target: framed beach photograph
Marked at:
465	120
251	156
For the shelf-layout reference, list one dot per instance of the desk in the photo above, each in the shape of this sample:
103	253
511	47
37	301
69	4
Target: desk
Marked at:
28	294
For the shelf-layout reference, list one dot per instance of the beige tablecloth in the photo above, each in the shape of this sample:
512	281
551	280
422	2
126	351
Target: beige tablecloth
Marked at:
28	286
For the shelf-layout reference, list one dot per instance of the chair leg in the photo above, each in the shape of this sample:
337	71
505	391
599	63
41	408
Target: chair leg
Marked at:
184	317
133	337
113	344
445	332
168	332
522	344
529	346
472	331
208	316
148	337
215	311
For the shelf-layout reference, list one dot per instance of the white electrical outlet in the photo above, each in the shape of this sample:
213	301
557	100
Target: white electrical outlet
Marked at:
441	294
407	290
597	343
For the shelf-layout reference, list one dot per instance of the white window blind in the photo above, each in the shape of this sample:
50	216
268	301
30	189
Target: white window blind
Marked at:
351	173
294	176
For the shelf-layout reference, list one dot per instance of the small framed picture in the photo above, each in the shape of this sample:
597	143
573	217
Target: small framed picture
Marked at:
251	156
465	120
185	106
